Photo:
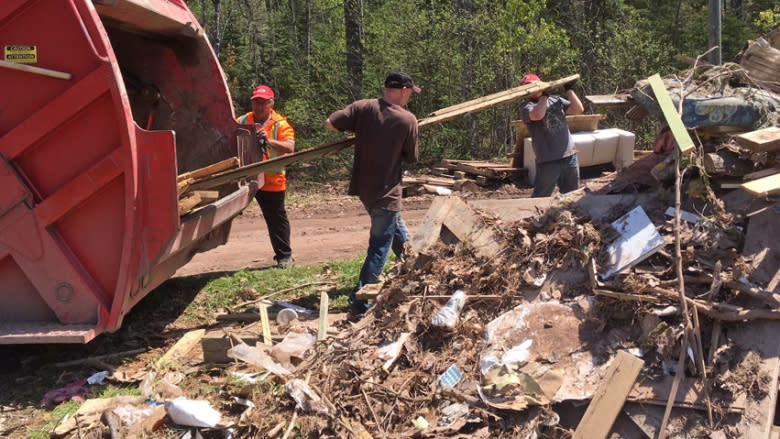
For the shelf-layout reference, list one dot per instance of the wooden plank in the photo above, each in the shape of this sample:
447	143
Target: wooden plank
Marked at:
510	210
463	222
607	101
322	327
690	394
761	174
673	119
181	348
439	181
761	338
490	101
430	228
763	186
265	324
207	196
212	169
764	140
188	203
609	397
504	97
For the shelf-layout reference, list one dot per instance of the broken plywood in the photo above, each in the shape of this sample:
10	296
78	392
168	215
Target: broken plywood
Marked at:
461	220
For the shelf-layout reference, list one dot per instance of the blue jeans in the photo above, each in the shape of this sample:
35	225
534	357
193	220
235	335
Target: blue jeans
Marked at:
388	230
564	172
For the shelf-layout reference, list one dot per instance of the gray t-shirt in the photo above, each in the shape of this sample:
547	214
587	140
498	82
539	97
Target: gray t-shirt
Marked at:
551	137
386	136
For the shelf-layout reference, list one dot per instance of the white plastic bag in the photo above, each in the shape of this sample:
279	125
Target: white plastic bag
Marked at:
447	317
192	412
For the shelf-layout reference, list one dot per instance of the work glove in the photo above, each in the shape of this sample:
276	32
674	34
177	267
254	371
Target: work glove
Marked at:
262	138
569	85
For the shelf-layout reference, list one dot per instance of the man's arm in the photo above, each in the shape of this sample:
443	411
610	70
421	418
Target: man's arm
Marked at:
330	126
575	106
540	109
283	146
410	153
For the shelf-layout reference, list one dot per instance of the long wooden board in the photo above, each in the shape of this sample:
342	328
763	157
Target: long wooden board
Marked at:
500	98
223	165
763	186
609	397
671	115
495	99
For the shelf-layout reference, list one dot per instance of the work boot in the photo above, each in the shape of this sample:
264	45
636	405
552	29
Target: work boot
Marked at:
284	262
356	306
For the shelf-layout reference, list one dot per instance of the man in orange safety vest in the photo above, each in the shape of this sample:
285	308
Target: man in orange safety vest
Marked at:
276	137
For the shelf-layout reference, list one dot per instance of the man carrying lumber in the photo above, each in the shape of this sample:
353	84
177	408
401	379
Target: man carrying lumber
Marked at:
386	135
275	137
556	158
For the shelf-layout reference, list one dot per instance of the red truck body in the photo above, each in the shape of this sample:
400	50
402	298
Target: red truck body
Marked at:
121	96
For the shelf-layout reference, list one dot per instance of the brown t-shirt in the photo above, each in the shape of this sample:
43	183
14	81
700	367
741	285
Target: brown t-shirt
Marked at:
386	135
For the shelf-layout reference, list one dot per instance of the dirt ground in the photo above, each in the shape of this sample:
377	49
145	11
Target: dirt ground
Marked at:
325	226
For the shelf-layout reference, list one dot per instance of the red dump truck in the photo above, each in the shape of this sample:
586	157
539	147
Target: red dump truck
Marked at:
103	103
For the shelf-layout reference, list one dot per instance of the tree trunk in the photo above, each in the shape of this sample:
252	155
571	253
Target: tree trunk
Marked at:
215	36
353	23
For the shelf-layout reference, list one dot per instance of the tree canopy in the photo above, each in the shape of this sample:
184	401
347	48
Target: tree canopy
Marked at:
320	55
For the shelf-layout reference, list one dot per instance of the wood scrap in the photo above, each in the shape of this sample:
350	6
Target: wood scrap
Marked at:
606	403
322	327
209	170
181	348
763	187
764	140
673	119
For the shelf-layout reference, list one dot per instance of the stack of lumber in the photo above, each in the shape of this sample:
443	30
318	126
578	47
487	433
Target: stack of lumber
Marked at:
191	199
482	171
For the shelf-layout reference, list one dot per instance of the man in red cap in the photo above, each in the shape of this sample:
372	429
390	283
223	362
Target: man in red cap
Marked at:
386	135
556	158
276	137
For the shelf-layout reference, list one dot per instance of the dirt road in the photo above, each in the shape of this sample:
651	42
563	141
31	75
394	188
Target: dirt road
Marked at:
336	231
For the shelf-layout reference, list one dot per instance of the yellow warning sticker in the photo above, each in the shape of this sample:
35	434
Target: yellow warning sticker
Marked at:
21	54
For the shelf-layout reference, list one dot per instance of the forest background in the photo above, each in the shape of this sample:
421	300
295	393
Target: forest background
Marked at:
320	55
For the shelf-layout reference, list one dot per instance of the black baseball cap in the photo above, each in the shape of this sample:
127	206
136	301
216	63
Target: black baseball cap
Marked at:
401	80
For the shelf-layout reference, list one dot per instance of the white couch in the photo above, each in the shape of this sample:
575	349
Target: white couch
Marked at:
611	145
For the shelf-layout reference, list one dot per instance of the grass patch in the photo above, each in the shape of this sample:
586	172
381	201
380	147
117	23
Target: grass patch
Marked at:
223	292
55	417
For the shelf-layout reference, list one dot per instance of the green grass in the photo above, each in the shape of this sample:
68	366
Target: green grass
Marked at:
223	292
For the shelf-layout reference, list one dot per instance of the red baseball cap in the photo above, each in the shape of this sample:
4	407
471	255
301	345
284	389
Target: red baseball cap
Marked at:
529	78
263	92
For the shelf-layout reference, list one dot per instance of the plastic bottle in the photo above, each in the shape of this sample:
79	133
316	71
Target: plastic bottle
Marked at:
447	317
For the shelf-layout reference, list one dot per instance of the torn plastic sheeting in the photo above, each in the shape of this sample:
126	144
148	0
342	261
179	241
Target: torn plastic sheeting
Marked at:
256	356
552	338
390	351
306	398
638	240
294	344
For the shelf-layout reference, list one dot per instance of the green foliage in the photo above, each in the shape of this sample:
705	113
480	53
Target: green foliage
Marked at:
768	19
459	50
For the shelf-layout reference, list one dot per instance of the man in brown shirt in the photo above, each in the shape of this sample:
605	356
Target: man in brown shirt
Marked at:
386	135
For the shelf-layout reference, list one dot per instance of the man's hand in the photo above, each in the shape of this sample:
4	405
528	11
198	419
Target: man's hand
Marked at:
569	85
